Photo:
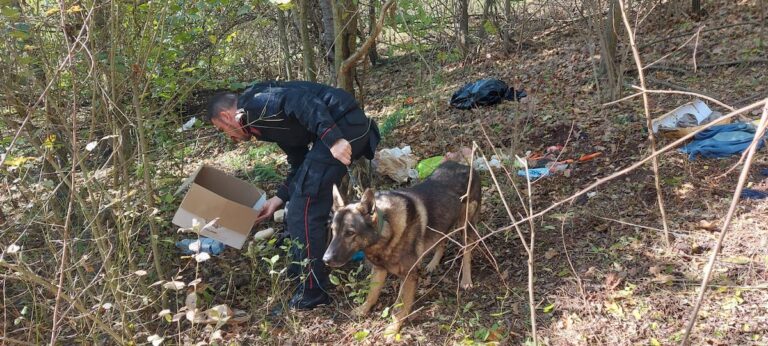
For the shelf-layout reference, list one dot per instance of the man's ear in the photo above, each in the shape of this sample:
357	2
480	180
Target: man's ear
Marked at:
338	202
367	202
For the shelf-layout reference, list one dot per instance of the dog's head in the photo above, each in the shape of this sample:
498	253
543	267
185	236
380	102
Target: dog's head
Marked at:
354	227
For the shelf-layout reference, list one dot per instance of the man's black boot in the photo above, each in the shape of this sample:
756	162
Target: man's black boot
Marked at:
308	298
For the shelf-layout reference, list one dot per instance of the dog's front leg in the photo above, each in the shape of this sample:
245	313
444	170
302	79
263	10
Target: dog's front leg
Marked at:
408	293
378	275
439	250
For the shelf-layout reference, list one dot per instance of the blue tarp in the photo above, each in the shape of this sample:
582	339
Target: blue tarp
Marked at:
484	92
721	141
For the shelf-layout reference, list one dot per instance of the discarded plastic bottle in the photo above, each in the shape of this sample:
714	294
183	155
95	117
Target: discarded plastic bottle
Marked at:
191	246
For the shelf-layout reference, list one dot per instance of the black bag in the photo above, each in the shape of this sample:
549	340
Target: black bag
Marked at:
484	92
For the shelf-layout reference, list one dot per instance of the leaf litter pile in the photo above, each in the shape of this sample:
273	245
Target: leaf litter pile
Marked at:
603	273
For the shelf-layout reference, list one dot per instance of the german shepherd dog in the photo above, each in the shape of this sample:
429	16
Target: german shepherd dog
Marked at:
394	229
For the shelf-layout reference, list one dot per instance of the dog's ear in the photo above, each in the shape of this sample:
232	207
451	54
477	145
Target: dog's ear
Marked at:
338	202
367	202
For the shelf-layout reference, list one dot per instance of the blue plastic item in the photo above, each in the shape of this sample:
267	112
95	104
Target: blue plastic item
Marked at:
753	194
484	92
721	141
211	246
358	256
534	172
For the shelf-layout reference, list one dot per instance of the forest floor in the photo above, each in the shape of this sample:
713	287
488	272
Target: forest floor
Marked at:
603	272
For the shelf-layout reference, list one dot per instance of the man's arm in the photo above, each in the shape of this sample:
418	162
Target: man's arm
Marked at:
313	113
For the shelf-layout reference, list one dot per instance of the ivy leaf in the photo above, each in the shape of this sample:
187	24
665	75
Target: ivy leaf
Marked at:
547	309
361	335
334	279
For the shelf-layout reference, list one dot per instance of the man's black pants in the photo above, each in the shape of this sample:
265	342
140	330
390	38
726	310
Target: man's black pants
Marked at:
310	207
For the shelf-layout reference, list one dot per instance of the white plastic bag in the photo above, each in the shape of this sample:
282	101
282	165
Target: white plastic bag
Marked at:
397	163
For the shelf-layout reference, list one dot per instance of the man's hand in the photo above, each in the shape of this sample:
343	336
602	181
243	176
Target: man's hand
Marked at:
342	151
269	208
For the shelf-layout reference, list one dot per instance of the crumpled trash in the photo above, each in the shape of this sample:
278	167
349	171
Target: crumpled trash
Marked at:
684	119
753	194
397	163
480	165
188	125
427	166
534	172
203	244
484	92
721	141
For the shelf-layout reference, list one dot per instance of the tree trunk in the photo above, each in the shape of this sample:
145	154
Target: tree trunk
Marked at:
506	32
283	37
308	52
486	17
346	68
696	8
463	18
373	55
345	26
329	37
609	68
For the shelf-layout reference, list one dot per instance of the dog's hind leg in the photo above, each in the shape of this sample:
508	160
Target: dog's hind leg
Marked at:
439	250
466	260
408	293
378	276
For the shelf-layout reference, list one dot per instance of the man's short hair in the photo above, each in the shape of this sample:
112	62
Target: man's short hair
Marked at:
218	103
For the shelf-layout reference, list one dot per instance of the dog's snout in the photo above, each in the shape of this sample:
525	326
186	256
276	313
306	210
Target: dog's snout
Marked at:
327	257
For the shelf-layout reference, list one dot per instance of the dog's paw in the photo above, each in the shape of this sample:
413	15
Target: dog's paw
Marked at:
391	332
361	311
431	267
466	284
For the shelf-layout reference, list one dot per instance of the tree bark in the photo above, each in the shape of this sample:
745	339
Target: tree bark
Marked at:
345	27
283	37
486	16
328	38
696	8
463	18
347	66
373	55
609	69
308	52
506	32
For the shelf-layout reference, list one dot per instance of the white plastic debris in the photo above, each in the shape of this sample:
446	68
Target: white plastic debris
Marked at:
188	125
264	234
397	163
481	166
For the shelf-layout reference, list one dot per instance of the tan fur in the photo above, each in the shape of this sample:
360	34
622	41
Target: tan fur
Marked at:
416	219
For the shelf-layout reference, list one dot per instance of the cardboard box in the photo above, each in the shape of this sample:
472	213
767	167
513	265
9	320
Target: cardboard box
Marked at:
213	193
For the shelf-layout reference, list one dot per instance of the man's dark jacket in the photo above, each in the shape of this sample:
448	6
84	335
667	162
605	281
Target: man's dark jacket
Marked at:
296	113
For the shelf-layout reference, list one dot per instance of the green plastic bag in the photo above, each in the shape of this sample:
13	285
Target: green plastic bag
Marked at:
427	166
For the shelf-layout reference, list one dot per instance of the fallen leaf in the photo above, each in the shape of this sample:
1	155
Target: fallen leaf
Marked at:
655	270
612	280
706	225
663	278
551	253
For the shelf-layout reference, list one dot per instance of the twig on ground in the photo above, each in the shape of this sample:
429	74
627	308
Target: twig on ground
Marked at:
731	210
648	120
568	257
689	33
691	93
